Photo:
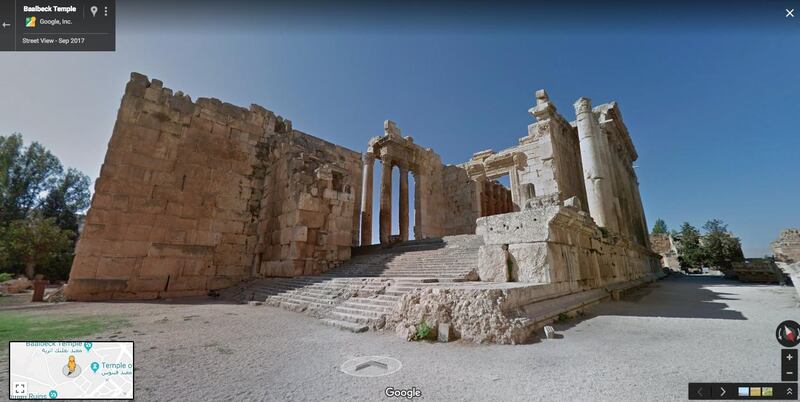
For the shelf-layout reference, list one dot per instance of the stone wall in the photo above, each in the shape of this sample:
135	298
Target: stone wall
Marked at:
550	243
460	206
307	221
189	191
664	245
786	248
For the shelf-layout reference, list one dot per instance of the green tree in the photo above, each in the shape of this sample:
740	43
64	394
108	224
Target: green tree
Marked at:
660	227
69	196
35	241
26	175
720	247
34	185
690	251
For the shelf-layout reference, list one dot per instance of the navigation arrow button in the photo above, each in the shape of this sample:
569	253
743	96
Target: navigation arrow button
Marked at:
6	25
722	389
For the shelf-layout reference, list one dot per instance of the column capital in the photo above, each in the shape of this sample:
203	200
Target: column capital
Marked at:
583	105
368	157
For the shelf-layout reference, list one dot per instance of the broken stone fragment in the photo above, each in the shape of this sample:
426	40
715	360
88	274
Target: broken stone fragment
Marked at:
549	332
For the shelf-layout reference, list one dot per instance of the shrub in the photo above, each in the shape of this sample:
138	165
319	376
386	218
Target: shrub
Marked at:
5	276
423	331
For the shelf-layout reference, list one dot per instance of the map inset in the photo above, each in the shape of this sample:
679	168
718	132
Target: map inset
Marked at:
71	370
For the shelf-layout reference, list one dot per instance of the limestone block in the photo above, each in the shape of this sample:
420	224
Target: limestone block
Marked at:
306	202
187	283
444	333
530	262
116	267
82	289
195	267
528	226
161	267
493	263
173	250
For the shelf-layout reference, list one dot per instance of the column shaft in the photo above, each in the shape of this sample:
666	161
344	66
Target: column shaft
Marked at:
366	201
403	204
386	201
594	147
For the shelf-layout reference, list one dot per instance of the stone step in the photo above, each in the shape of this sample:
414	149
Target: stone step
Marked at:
350	326
358	311
306	299
354	318
369	304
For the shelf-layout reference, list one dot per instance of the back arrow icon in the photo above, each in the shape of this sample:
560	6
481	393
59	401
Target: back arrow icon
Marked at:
6	25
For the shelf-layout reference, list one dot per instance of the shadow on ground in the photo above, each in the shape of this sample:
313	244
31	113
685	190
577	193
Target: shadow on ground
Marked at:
677	296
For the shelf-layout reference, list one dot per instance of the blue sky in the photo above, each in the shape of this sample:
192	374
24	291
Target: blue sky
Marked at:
713	112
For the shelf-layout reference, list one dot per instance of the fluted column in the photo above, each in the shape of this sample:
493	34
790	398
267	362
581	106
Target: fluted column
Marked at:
594	158
386	201
403	204
366	200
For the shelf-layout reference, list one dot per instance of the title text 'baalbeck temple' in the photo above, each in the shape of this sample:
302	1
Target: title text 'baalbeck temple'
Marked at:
206	197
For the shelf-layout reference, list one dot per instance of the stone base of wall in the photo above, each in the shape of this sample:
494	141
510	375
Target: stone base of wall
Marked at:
535	264
504	313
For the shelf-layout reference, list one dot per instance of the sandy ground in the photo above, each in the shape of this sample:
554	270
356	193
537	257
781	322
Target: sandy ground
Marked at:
644	348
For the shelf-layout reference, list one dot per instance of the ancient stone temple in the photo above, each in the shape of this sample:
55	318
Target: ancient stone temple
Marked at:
786	248
204	196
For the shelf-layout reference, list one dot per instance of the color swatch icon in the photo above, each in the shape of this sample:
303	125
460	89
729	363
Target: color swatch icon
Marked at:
766	391
744	391
755	391
30	22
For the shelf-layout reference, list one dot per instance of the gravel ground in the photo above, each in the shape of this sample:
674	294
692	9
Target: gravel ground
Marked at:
646	347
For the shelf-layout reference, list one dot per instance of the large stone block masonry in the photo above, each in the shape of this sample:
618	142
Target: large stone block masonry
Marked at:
196	196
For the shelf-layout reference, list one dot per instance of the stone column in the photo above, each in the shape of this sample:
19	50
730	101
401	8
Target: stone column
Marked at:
418	193
366	200
403	204
596	172
516	198
385	218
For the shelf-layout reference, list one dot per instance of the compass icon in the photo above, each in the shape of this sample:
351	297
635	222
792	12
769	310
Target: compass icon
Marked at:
788	333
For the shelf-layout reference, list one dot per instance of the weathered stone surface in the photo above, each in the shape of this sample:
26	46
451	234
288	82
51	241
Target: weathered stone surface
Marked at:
196	196
474	314
17	285
786	248
527	226
444	333
530	262
664	245
493	263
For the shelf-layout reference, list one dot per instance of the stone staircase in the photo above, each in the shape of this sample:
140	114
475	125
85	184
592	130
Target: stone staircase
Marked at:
358	294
